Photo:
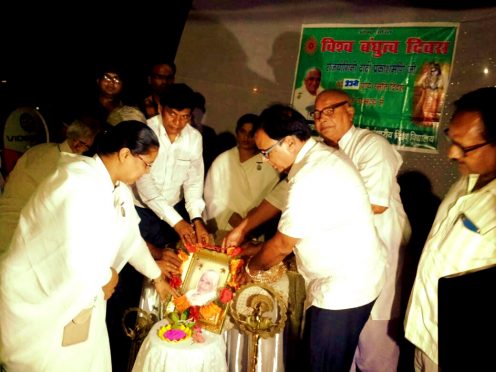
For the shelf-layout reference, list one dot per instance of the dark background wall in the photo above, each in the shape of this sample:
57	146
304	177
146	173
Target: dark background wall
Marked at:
49	55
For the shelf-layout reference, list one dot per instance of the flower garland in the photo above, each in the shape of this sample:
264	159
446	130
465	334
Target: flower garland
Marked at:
186	315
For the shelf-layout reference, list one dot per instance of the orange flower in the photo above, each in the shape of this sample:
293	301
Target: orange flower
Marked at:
210	311
183	256
181	303
236	265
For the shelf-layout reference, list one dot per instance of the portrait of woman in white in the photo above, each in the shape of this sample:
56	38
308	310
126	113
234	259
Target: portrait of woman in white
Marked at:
206	289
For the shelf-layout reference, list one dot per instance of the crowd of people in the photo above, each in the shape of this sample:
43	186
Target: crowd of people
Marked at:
83	222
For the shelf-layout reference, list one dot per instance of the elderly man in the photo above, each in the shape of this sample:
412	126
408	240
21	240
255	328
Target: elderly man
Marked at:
378	164
328	223
463	236
304	96
33	167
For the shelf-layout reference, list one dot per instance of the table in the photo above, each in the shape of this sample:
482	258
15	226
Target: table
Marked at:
156	355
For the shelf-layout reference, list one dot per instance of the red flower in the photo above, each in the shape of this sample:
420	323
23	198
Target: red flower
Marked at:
191	248
234	251
226	295
311	45
194	312
175	281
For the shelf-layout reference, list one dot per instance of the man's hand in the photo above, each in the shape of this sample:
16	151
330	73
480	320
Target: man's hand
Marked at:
185	232
234	238
109	288
202	235
250	249
164	289
169	263
235	219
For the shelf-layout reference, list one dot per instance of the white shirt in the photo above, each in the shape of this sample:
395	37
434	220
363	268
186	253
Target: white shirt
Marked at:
177	170
451	248
30	170
235	187
378	164
72	230
338	253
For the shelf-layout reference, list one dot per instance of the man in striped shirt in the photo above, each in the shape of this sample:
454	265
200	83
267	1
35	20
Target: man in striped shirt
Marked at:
463	235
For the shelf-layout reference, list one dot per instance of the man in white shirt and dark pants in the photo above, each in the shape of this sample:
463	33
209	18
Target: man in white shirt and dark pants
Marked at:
328	223
176	173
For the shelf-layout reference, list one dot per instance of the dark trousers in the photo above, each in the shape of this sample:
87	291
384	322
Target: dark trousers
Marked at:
156	231
331	337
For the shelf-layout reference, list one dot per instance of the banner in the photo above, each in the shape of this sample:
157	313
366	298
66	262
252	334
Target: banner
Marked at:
397	76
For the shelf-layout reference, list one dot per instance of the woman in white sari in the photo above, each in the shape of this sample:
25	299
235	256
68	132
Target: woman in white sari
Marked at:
238	179
78	229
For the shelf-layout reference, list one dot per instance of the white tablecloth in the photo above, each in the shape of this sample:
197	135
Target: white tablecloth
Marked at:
156	355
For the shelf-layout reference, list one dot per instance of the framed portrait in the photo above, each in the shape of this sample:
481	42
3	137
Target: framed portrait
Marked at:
207	274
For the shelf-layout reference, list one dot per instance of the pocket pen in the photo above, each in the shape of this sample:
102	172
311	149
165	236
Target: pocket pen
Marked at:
469	224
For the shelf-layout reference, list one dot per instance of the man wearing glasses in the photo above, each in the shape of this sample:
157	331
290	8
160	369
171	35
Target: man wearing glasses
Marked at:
378	164
177	173
463	235
328	223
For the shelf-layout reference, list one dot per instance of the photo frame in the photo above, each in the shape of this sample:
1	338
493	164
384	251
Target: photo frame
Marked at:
207	274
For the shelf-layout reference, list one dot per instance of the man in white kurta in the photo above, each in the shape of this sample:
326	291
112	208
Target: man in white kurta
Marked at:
233	186
463	235
76	226
378	164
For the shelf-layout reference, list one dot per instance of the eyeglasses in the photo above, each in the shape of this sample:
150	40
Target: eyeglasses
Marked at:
327	111
147	165
174	115
84	144
464	150
111	78
266	152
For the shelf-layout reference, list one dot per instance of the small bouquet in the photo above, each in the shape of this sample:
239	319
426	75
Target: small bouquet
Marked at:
180	328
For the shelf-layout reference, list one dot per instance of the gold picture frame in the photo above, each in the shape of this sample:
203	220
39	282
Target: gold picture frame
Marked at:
207	268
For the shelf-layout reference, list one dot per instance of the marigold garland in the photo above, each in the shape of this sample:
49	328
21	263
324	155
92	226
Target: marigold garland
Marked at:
210	311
